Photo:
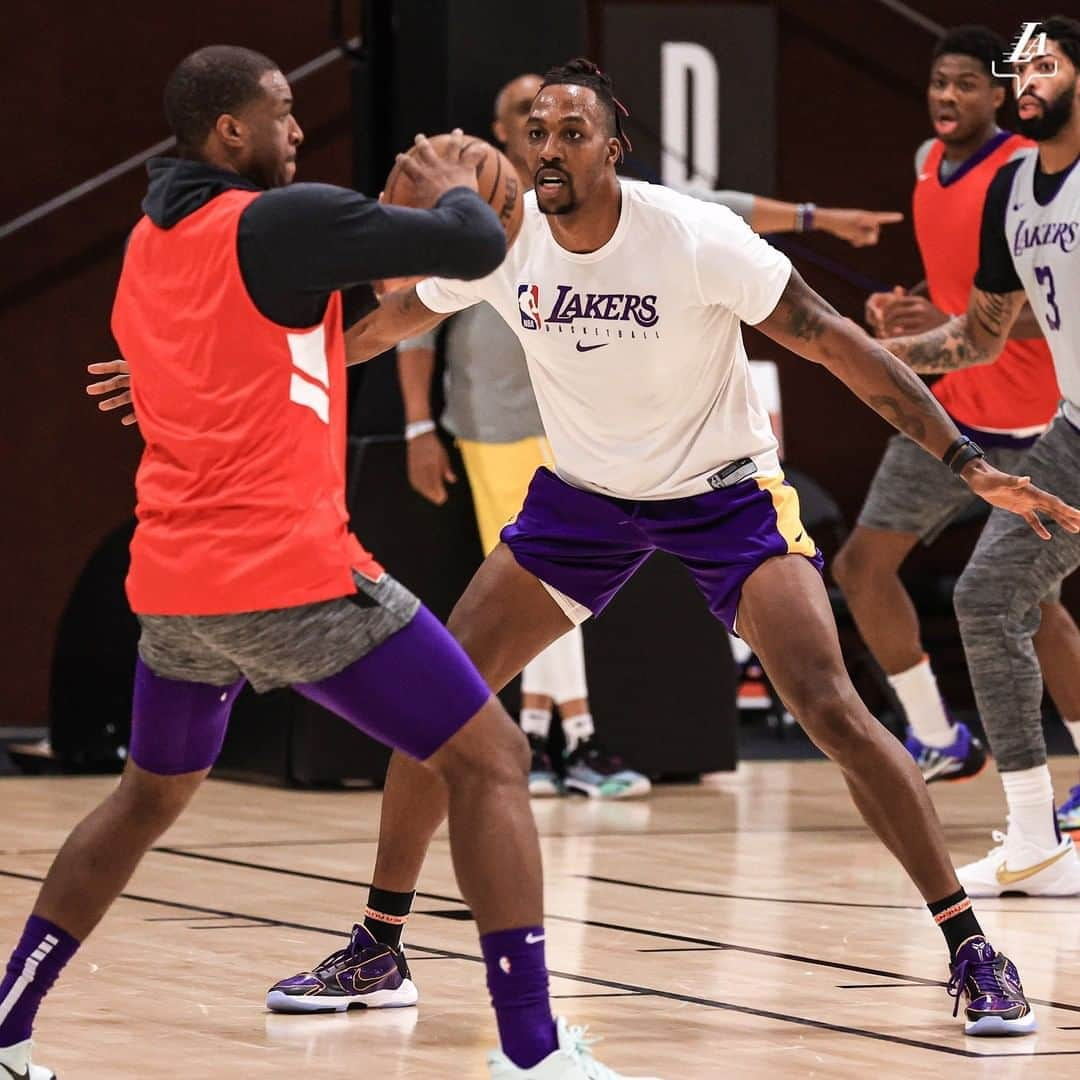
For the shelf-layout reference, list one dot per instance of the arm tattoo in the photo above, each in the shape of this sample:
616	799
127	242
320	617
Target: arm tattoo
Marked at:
989	310
973	338
808	325
802	313
945	348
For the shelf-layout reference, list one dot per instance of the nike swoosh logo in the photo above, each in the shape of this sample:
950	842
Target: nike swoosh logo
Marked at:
533	939
16	1076
589	348
1006	876
924	176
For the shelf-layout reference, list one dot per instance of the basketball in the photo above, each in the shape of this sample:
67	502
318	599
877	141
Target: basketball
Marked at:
496	180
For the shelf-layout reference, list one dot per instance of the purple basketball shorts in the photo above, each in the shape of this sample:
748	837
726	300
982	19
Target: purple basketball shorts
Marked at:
587	545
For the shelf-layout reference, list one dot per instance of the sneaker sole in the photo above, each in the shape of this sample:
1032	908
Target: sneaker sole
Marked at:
544	789
633	791
962	779
401	998
996	1026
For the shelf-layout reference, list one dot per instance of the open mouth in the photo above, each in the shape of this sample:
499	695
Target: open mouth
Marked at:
551	180
946	123
1028	105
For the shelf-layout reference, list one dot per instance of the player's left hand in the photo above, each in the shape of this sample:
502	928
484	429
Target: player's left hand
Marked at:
860	228
1018	495
119	386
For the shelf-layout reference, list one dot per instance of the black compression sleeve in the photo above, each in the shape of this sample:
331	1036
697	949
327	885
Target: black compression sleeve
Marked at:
996	273
298	244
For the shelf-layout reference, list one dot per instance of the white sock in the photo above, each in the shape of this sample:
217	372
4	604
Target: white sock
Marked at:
1074	731
1030	795
536	722
740	651
577	729
918	692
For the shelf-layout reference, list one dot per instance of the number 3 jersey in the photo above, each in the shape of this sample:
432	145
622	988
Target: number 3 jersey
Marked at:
1031	241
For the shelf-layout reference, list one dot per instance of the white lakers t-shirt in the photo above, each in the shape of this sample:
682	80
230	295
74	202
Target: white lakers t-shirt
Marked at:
635	350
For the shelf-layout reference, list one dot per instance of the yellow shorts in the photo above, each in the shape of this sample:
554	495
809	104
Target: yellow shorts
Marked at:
499	475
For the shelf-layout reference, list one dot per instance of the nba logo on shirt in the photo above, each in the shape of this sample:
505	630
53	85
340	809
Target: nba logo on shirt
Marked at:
529	306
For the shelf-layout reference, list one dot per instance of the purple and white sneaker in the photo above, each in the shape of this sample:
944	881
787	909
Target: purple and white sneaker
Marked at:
364	975
964	759
996	1004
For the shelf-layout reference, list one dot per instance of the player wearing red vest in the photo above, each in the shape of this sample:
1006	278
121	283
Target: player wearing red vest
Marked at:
229	311
1004	406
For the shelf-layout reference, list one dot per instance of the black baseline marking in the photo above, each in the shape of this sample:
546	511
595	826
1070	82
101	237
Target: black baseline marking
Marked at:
876	986
610	984
689	948
1026	910
656	934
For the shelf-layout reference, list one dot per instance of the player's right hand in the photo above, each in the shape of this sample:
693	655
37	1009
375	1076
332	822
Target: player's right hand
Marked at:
118	387
429	467
433	176
877	308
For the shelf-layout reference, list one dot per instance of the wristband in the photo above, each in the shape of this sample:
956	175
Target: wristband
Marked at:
418	428
804	217
961	453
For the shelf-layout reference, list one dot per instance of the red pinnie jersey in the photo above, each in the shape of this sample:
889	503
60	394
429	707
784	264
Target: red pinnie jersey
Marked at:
1018	392
241	487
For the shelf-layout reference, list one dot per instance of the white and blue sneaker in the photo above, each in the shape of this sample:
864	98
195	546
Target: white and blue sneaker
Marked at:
544	781
963	759
590	770
1068	813
572	1061
15	1063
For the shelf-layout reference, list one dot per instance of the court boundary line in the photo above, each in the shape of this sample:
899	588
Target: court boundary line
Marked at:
658	934
631	990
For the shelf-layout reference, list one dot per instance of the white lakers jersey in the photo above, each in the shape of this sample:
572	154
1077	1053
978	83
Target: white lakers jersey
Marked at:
1044	241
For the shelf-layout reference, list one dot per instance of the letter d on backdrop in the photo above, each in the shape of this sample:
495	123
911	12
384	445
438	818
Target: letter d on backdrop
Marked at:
689	115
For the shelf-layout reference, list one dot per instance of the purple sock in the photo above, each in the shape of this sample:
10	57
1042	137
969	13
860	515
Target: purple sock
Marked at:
518	980
34	966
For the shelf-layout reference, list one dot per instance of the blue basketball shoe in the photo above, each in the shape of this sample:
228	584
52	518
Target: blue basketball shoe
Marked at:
964	759
364	975
1068	813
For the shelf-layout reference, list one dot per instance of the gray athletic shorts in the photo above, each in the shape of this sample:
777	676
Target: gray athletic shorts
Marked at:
913	492
281	646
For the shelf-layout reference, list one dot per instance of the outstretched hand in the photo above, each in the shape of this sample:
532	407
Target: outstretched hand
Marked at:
860	228
118	386
1018	495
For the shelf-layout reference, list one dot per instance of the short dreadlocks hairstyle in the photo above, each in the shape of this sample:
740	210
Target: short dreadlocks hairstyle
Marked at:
582	72
214	80
979	42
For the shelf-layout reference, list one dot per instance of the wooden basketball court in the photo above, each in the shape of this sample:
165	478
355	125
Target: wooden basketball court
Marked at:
749	926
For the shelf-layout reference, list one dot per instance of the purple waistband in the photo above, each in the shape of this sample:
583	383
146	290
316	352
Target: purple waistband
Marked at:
997	440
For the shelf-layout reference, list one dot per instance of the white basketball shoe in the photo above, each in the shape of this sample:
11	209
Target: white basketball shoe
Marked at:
1017	867
572	1061
15	1063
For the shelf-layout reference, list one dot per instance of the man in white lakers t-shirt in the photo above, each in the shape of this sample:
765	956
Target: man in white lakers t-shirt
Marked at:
627	299
1030	249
